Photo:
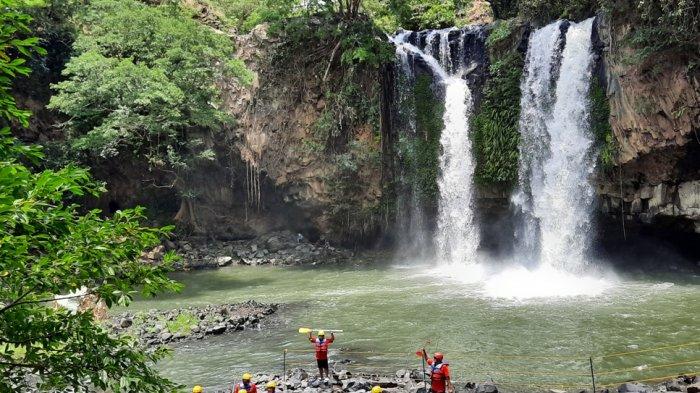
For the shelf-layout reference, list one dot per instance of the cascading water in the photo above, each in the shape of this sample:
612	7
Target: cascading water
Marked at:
457	237
556	157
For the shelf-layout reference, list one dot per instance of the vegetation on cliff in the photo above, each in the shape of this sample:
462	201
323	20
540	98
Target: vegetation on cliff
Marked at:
51	248
495	125
420	152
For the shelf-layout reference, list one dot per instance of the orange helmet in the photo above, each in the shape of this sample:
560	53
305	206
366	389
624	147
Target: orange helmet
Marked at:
438	356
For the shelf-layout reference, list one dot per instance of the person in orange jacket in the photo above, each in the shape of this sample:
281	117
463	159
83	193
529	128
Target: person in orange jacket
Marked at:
321	344
439	373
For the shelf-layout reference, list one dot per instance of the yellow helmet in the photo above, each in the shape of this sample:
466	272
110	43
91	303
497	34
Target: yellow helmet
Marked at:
246	377
377	389
242	391
197	389
271	385
321	333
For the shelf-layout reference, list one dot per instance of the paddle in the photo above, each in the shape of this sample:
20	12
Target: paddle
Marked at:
304	330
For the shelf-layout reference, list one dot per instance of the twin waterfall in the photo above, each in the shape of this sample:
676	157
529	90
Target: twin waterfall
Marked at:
554	198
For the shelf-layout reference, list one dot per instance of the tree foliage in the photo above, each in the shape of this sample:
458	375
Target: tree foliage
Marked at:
659	25
50	248
144	79
16	48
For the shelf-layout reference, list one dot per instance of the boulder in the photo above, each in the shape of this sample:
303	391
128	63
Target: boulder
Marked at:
165	337
224	261
486	387
274	244
387	383
673	386
126	322
216	329
633	387
355	384
694	388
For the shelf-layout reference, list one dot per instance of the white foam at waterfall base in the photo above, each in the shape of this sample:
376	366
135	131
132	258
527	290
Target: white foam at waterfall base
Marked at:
520	283
513	281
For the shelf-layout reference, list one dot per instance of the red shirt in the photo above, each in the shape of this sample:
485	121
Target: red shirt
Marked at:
321	347
439	374
250	388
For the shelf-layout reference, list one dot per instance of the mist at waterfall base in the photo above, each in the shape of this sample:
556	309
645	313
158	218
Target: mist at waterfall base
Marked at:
554	199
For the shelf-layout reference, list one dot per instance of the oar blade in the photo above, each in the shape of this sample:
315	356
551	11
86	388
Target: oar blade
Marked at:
304	330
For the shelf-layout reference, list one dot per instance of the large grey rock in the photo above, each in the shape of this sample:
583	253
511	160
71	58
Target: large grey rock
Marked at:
673	386
486	387
355	384
165	337
633	387
694	388
689	198
126	322
216	329
224	261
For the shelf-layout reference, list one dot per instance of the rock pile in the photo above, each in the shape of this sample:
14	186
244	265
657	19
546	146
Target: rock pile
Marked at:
303	381
411	381
161	327
277	248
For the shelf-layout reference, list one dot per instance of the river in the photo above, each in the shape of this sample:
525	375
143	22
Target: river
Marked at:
505	326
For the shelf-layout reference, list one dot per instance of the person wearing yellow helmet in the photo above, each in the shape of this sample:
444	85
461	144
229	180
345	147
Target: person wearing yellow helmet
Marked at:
245	386
377	389
321	344
270	387
197	389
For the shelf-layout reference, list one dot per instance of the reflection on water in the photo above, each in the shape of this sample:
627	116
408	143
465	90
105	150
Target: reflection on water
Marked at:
482	325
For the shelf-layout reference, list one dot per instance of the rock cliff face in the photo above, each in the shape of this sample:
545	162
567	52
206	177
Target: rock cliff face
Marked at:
655	117
279	141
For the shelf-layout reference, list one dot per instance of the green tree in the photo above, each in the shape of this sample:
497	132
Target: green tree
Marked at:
144	82
15	50
49	248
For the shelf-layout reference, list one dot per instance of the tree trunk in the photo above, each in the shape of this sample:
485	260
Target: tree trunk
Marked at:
186	215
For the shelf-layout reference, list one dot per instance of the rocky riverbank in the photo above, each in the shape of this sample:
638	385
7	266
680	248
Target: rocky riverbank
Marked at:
276	248
193	323
411	381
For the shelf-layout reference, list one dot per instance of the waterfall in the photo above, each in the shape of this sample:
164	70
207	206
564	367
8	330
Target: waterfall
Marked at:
556	157
457	237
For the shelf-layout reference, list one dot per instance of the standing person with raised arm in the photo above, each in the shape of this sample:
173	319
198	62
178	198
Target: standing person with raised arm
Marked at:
321	344
439	373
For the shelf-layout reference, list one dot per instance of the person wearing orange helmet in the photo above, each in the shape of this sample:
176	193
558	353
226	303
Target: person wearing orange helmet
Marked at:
439	373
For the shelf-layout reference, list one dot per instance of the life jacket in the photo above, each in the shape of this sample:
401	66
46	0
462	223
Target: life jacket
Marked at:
250	388
438	376
322	348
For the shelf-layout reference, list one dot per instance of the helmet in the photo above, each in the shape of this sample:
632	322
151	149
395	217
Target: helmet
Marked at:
377	389
242	391
247	377
321	333
197	389
271	385
438	356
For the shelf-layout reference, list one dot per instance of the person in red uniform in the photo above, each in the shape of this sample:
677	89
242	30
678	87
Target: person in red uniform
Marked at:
321	344
245	385
439	373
